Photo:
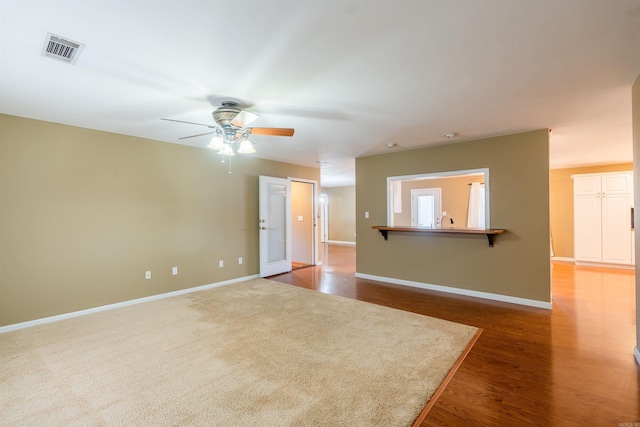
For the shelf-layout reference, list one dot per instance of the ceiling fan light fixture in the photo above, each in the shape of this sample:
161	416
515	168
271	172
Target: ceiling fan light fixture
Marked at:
231	134
216	143
246	147
227	150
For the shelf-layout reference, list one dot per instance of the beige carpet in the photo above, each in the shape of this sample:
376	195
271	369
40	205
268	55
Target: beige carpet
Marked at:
256	353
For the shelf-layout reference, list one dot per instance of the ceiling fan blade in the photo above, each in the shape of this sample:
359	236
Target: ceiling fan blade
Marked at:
272	131
191	123
243	118
193	136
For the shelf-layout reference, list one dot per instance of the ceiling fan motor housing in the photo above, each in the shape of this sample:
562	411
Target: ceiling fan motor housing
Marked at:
224	115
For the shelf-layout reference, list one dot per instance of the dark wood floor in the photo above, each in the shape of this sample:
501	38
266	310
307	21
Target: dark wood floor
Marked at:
570	366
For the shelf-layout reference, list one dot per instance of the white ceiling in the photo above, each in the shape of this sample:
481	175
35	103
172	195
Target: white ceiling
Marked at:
349	75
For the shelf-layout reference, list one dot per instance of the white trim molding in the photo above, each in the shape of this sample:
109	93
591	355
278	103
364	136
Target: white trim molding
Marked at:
73	314
636	353
606	265
562	258
340	242
459	291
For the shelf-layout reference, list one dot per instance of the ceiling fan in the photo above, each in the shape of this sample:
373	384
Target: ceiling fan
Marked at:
230	133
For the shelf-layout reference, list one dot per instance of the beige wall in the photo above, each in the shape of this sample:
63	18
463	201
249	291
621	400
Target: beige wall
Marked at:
517	266
455	199
83	214
302	220
342	213
635	95
561	204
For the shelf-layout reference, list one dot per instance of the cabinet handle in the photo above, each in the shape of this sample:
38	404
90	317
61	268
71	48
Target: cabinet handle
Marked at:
633	220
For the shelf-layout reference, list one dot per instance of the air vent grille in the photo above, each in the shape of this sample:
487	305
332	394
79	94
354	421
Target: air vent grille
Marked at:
61	48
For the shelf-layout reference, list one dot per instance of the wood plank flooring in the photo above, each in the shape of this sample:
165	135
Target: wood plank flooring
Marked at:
570	366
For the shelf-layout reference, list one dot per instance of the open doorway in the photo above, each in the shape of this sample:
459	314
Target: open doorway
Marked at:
303	234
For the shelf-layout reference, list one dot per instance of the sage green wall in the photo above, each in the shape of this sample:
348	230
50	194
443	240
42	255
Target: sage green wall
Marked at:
342	213
518	265
635	96
83	214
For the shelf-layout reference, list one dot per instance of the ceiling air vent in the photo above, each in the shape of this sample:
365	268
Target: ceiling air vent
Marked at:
62	49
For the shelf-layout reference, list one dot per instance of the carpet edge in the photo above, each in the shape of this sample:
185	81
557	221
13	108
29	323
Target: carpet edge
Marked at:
436	395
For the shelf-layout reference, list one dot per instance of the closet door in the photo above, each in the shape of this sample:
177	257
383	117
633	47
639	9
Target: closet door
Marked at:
616	229
587	222
617	237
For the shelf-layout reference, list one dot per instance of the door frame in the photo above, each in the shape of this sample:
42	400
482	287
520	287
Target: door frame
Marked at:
323	201
262	243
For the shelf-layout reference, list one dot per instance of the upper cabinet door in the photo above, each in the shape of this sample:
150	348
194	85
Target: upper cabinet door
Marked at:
617	183
587	185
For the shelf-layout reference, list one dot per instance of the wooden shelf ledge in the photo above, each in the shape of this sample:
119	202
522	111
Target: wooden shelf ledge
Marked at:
489	232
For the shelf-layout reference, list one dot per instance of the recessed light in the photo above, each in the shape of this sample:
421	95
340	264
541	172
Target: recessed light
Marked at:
392	145
450	135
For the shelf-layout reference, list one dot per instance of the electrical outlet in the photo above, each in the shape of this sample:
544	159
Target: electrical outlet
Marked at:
240	260
174	271
221	263
147	275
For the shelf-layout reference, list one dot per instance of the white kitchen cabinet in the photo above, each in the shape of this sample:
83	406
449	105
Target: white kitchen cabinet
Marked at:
602	206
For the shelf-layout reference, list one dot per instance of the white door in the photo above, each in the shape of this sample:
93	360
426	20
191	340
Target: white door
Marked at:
587	223
602	218
275	225
616	229
617	236
425	207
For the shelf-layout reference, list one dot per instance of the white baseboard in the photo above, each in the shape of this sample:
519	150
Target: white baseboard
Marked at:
42	321
340	242
562	258
636	353
459	291
606	265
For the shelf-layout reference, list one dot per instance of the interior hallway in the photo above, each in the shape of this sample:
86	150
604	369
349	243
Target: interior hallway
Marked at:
570	366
